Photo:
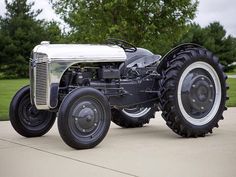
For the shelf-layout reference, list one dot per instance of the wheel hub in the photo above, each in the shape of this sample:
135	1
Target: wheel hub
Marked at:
198	93
85	117
31	117
33	111
201	93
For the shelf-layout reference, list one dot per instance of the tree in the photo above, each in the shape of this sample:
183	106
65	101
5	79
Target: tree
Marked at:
214	38
154	24
20	31
52	32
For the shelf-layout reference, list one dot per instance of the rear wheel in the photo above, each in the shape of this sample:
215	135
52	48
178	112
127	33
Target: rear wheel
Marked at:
193	92
132	117
84	118
26	119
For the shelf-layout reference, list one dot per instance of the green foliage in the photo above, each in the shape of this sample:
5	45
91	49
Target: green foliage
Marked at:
20	31
154	24
52	32
214	38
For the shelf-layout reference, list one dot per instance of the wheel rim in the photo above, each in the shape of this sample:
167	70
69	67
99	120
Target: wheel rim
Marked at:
29	116
86	118
136	111
199	93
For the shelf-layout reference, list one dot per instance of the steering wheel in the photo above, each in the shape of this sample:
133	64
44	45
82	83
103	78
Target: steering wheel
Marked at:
123	44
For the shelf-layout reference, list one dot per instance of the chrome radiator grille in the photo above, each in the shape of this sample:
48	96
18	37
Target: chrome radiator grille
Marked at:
41	83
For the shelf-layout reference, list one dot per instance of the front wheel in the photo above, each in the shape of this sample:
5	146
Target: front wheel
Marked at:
26	119
193	92
84	118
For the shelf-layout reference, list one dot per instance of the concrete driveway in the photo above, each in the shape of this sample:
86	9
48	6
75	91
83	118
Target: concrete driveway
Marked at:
232	76
153	150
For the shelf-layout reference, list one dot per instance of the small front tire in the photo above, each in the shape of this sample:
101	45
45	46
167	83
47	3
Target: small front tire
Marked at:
84	118
26	119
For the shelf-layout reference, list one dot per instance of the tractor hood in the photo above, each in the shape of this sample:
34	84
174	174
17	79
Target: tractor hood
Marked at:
81	52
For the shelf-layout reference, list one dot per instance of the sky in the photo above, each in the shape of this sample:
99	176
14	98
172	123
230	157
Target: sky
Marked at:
208	11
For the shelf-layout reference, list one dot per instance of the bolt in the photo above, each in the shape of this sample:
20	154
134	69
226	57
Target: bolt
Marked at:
211	85
95	110
83	106
193	86
194	100
83	130
202	78
95	124
76	119
202	107
211	100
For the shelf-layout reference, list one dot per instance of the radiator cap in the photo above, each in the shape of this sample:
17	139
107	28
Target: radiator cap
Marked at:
45	42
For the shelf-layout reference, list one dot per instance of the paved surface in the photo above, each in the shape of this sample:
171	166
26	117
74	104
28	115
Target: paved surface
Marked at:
149	151
231	76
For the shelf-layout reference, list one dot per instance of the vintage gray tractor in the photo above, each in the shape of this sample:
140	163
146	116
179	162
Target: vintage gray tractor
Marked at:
87	86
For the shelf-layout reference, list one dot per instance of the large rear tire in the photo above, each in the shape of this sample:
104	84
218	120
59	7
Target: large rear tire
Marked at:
132	117
84	118
26	119
193	92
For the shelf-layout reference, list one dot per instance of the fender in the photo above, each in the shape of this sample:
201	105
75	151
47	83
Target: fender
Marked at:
175	50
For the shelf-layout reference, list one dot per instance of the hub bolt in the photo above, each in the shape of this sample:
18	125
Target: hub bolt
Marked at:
95	124
193	86
211	85
76	119
202	107
202	78
83	130
194	100
211	100
83	106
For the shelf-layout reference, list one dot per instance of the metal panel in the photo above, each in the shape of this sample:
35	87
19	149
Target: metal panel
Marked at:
82	52
31	74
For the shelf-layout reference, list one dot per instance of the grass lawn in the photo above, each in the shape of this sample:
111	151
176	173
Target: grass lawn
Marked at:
9	87
232	92
7	90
